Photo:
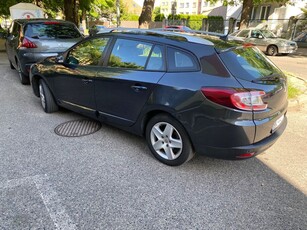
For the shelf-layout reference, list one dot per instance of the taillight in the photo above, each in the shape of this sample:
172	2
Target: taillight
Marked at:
236	98
27	43
245	155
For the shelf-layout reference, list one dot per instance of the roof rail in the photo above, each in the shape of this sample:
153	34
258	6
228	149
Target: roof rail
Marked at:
220	35
167	34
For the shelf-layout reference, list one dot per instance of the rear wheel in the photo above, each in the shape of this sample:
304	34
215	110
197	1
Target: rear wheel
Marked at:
47	101
168	140
23	78
272	50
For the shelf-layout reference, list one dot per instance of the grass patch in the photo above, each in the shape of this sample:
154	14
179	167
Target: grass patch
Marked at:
293	89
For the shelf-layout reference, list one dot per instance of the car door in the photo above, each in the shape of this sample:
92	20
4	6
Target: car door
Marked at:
258	39
124	85
74	81
12	42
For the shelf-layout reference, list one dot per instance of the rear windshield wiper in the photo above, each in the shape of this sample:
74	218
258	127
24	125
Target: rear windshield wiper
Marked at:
271	77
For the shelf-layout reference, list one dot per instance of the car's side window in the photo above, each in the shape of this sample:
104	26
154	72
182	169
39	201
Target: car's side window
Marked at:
88	53
180	60
129	54
156	60
255	33
243	34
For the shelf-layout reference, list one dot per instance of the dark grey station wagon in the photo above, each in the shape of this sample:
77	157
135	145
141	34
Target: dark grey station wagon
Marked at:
185	93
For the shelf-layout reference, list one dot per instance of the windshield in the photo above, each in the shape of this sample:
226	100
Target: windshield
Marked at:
51	30
268	34
249	63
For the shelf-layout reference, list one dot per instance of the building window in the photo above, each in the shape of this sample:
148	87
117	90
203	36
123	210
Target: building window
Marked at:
187	4
254	11
181	5
206	4
264	12
194	4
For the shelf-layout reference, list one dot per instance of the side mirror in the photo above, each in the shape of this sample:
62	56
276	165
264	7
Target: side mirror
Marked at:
60	59
260	36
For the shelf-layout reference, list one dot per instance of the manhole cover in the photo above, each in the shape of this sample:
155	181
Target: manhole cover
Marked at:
77	128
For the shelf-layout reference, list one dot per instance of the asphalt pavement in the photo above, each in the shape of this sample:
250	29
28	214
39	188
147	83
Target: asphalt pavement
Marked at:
109	179
295	63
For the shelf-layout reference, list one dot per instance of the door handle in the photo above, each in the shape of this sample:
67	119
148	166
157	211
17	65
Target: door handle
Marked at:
86	80
138	88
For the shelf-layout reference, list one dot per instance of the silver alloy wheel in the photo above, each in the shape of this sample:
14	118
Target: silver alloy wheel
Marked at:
272	50
166	141
42	96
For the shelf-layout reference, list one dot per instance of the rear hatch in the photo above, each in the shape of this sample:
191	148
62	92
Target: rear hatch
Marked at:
255	72
51	37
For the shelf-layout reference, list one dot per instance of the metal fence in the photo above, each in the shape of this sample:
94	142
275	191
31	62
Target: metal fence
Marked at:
285	28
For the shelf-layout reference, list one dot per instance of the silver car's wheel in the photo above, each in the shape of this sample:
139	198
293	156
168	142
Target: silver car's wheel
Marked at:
168	140
272	50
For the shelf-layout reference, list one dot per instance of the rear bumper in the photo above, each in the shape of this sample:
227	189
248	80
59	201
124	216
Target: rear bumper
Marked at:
27	59
237	152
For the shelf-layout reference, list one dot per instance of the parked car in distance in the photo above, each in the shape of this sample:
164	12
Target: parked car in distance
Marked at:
97	29
301	40
177	28
184	93
32	40
266	41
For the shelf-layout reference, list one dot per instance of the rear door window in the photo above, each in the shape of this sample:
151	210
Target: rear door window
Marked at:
52	30
243	34
156	60
129	54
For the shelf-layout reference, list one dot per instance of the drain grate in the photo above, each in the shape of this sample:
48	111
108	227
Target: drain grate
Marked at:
77	128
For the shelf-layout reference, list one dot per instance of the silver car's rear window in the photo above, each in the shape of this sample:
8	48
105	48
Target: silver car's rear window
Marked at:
51	30
248	63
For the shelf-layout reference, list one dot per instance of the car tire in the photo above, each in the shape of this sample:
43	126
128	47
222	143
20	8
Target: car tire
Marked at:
168	140
47	100
11	65
272	50
23	78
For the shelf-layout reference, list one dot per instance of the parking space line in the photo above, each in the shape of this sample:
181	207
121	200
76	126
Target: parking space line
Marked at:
49	196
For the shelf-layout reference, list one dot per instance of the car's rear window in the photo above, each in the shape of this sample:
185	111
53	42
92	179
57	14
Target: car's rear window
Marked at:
248	63
51	30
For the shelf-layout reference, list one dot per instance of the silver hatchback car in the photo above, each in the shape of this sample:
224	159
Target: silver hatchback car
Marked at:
32	40
266	41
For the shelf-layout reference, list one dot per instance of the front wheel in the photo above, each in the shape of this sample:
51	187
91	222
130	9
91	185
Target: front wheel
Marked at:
47	101
168	140
272	50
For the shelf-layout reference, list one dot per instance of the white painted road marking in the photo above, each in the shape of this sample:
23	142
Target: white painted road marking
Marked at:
49	196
